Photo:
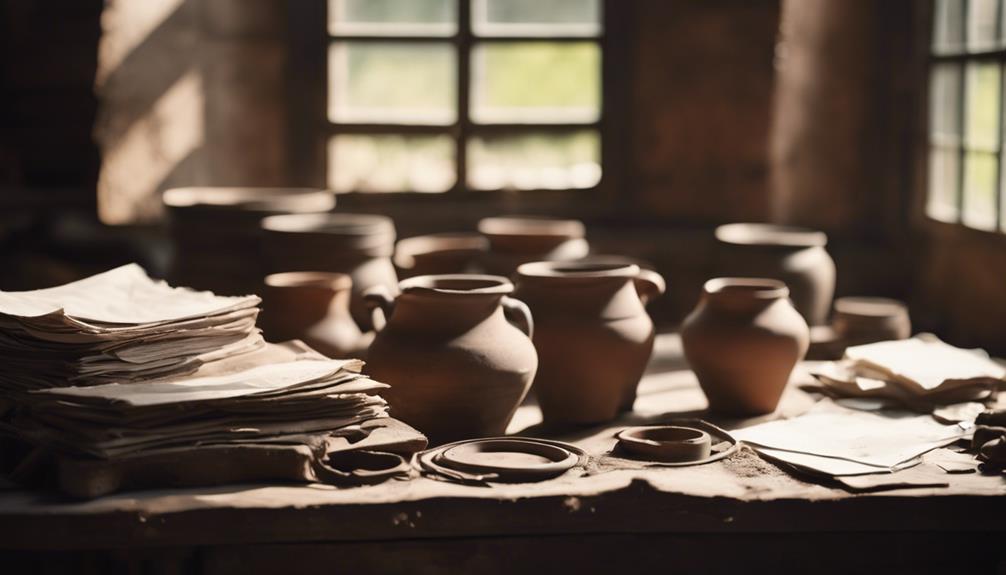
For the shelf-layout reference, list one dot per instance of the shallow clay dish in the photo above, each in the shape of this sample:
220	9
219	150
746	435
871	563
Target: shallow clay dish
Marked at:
722	444
666	442
501	459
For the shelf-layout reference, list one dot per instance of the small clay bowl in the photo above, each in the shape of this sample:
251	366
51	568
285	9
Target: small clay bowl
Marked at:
510	459
668	443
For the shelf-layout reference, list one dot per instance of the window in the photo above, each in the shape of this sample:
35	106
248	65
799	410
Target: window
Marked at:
966	179
461	95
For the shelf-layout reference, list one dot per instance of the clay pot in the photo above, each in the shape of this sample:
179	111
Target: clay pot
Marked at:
457	368
439	254
314	308
216	233
355	244
861	320
518	240
592	334
743	341
792	255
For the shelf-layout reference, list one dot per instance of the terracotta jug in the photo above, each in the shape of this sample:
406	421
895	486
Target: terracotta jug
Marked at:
457	367
795	256
743	341
518	240
314	308
593	335
360	245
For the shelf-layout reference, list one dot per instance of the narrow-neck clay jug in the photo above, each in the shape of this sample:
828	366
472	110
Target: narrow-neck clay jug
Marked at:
792	255
743	341
457	367
314	308
593	335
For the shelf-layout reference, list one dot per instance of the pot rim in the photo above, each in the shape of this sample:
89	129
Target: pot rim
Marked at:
761	234
524	226
329	280
441	284
330	224
869	307
250	198
593	268
756	288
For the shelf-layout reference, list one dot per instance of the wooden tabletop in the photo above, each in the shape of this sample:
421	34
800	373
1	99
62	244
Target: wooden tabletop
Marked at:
742	494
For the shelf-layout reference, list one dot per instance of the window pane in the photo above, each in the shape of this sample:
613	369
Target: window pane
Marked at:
383	82
982	24
983	85
948	26
945	105
536	82
534	17
391	163
980	186
944	176
383	17
535	161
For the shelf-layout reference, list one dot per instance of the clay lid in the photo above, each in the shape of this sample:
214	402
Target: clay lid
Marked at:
270	200
457	284
749	234
745	289
323	280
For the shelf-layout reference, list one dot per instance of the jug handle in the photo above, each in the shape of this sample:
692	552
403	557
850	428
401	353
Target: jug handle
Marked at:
381	304
518	314
649	285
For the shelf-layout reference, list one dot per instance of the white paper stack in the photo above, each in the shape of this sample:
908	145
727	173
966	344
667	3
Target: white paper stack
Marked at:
118	326
920	373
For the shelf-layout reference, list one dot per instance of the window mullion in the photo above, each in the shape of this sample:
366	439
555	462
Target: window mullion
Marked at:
464	47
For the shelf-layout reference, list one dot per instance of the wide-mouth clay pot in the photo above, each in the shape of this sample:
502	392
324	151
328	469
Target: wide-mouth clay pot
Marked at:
794	255
312	307
448	253
365	232
266	200
518	240
859	319
742	341
767	235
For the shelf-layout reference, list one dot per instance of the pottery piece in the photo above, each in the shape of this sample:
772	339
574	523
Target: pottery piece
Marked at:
314	308
862	320
518	240
666	442
457	367
501	460
360	245
450	253
216	235
593	335
742	341
793	255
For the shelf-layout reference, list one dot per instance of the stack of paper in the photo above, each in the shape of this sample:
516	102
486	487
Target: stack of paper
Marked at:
118	326
920	373
306	394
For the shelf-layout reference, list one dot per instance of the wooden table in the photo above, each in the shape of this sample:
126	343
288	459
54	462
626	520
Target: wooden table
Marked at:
739	514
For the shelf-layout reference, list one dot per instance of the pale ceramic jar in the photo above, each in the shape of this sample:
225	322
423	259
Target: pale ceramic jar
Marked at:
458	368
314	308
742	341
593	335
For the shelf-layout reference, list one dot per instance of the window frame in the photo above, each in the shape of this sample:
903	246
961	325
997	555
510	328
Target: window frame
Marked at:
309	127
962	58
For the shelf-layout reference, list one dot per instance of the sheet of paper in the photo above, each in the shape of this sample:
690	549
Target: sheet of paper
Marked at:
879	439
926	362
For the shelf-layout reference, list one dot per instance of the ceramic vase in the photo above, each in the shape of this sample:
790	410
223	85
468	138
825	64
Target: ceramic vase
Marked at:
593	335
742	341
216	236
518	240
458	368
795	256
448	253
360	245
314	308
